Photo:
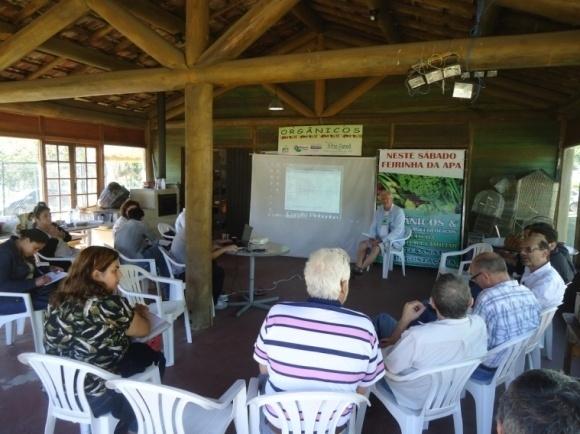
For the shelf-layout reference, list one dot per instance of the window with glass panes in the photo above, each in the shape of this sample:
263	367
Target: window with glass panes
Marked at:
71	177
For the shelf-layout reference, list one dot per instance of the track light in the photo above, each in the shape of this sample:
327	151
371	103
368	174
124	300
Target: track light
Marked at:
275	105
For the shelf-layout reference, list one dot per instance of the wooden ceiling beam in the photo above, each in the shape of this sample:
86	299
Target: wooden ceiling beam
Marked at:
45	68
155	15
351	96
139	33
498	52
571	106
55	110
289	99
341	35
197	29
40	30
246	30
319	85
293	43
385	20
562	11
308	16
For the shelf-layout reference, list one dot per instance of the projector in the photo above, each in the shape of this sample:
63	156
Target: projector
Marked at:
259	241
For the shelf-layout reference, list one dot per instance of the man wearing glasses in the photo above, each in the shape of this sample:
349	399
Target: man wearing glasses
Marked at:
539	275
508	308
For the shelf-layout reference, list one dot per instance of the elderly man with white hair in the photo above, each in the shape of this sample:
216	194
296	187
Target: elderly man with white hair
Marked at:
317	344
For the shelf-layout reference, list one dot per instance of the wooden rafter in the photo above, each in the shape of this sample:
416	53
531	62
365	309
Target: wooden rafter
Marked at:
385	20
246	30
308	16
499	52
139	33
289	99
40	30
155	15
45	68
319	85
101	33
294	43
30	9
197	35
352	96
563	11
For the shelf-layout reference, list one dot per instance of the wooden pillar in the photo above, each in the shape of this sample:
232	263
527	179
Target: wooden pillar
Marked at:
198	198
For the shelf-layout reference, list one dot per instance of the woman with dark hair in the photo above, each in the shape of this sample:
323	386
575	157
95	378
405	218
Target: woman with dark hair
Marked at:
18	271
56	246
87	307
128	205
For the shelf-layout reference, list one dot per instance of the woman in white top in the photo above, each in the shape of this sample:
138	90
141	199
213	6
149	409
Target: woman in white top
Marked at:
127	205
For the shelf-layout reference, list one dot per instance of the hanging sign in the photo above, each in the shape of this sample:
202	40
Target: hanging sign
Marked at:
428	184
320	140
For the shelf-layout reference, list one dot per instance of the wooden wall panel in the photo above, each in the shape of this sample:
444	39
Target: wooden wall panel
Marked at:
238	185
17	125
572	132
431	136
77	131
123	136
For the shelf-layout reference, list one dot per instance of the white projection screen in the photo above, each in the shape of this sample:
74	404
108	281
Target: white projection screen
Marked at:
307	202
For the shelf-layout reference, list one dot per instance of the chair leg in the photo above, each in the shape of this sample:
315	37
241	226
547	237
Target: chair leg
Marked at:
411	425
385	268
548	338
20	323
535	358
458	420
187	325
168	347
484	399
50	422
8	331
403	264
37	330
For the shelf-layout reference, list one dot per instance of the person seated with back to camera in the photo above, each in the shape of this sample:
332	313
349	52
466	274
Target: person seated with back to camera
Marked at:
388	224
178	251
124	218
86	306
318	344
540	401
136	241
454	337
57	246
19	273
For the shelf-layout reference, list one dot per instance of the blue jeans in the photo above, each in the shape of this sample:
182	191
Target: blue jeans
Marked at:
483	374
384	325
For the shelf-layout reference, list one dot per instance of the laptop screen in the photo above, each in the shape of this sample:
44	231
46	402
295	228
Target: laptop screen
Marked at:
247	234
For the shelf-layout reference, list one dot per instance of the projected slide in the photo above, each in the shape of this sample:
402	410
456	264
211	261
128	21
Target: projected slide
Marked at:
313	189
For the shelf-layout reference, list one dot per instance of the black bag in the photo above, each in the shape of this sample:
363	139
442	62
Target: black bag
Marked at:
113	196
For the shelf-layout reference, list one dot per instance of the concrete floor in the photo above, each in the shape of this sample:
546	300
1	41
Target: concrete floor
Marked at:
222	354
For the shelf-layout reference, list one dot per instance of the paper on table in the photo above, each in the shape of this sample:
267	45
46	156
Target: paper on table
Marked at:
158	326
55	276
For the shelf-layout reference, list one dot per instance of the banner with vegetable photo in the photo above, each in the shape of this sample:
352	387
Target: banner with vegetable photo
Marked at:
428	184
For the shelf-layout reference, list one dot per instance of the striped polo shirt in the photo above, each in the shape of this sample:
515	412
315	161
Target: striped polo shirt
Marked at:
318	345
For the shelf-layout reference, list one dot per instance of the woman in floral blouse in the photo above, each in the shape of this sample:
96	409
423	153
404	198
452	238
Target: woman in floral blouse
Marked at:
87	321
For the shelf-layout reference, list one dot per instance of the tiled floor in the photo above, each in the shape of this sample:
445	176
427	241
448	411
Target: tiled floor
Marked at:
222	354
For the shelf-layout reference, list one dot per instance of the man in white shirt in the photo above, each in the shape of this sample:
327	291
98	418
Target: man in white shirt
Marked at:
539	275
454	337
388	224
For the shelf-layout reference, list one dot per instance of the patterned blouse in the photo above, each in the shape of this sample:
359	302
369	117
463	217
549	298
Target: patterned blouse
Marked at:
93	333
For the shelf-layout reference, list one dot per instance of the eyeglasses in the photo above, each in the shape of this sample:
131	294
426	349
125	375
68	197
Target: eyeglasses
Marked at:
474	276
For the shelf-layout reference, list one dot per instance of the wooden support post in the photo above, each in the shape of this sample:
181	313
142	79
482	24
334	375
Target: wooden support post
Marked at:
246	30
319	85
38	31
352	96
290	100
139	33
197	29
198	201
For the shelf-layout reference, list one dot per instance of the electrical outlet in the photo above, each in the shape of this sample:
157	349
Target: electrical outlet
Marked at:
452	71
433	76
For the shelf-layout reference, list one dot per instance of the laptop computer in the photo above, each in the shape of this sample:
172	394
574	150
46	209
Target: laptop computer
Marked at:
246	235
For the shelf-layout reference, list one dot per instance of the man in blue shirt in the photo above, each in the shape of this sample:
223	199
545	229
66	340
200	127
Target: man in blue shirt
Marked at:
388	224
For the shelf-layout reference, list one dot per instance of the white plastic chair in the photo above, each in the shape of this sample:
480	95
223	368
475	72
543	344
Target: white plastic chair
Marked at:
164	409
443	399
533	356
164	228
484	393
47	259
474	249
394	251
34	316
133	285
63	380
305	412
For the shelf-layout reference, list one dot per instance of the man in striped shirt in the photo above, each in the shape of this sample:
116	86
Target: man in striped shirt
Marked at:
318	345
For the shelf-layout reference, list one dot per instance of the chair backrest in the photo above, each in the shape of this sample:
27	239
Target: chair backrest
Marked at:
134	279
64	382
478	248
172	265
473	250
164	228
546	317
43	258
447	383
160	409
306	412
512	353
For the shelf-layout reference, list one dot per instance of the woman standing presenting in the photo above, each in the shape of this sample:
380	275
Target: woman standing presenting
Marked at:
87	321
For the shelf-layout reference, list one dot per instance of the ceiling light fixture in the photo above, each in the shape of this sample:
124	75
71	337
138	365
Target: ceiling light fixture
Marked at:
275	105
373	13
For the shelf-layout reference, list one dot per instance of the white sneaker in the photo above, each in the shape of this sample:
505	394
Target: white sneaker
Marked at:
221	305
224	297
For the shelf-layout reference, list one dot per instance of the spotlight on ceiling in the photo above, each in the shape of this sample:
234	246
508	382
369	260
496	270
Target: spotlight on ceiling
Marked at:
275	105
373	13
462	90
